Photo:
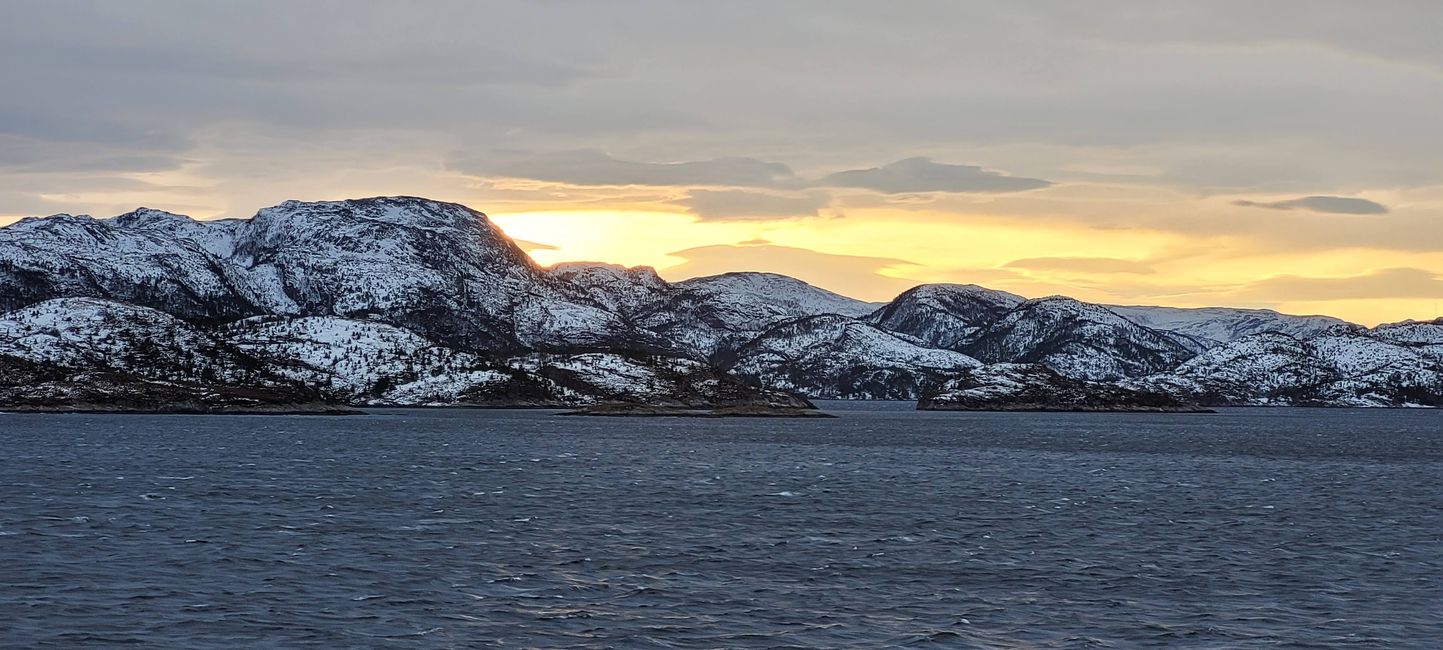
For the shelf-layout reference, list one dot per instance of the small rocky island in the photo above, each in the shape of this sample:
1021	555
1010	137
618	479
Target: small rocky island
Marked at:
1033	387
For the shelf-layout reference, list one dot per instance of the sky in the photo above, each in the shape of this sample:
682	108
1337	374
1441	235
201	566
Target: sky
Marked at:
1281	154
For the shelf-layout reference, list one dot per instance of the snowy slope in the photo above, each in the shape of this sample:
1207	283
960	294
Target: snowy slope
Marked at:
135	258
1034	387
1214	325
1078	340
944	315
835	357
714	314
619	289
33	386
344	360
778	296
405	300
354	360
102	334
1426	337
1345	366
647	379
438	268
1263	368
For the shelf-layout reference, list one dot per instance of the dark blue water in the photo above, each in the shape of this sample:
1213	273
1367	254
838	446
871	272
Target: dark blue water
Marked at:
457	528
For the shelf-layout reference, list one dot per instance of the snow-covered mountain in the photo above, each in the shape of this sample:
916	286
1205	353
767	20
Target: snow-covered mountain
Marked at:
944	315
313	358
718	313
355	360
401	300
1343	366
836	357
1216	325
439	268
102	334
1078	340
1426	337
1035	387
146	257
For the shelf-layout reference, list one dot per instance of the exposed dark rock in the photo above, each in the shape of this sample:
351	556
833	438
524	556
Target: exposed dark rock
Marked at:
647	410
26	386
1033	387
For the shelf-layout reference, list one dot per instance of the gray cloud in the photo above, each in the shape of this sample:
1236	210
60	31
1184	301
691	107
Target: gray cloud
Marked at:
28	155
1325	204
1083	265
591	167
1228	97
744	204
924	175
1383	283
530	246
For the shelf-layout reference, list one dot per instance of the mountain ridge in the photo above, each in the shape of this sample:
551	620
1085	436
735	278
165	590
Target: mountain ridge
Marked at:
465	305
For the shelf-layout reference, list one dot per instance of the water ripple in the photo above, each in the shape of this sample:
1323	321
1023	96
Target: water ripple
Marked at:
445	528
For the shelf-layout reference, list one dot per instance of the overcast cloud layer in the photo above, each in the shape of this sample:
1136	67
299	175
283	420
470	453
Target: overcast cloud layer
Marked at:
1292	125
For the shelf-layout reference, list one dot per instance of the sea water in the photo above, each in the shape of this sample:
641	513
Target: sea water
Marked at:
883	527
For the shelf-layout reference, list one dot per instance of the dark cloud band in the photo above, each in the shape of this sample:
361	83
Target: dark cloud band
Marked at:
914	175
1324	204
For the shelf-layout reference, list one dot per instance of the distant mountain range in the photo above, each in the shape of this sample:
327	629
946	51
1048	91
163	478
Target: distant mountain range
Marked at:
407	301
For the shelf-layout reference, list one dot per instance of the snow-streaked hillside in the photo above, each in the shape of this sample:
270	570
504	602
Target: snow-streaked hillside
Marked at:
402	300
1344	366
1078	340
777	296
349	361
715	314
355	360
1035	387
944	315
835	357
103	334
1424	336
1215	325
146	257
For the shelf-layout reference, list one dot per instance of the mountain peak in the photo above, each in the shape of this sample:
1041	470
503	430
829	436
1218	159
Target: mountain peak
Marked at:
407	211
149	218
948	289
596	270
